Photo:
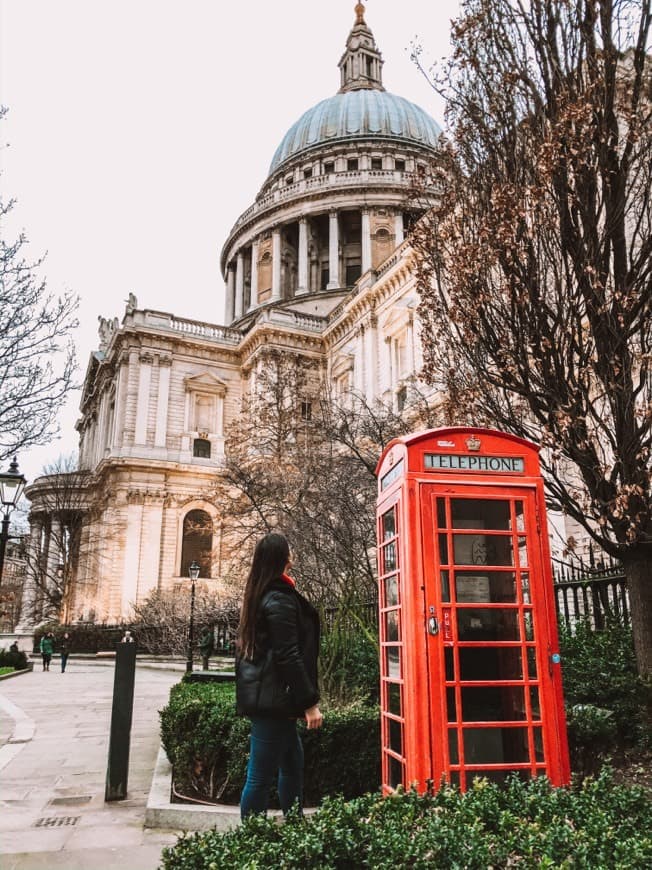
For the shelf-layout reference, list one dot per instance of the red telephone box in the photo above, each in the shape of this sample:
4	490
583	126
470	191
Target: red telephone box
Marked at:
470	674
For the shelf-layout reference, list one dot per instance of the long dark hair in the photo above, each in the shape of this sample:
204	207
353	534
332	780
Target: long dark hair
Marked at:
271	555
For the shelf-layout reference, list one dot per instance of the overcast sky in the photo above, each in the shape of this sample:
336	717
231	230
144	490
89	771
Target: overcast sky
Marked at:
139	130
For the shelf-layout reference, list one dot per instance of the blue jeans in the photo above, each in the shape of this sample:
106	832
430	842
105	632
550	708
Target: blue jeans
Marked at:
274	747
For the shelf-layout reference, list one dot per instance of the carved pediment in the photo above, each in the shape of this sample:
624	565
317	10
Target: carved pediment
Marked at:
205	382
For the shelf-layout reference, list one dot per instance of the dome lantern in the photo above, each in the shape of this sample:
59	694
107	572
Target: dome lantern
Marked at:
361	64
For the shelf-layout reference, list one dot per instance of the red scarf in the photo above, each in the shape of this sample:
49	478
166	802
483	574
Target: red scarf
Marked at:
287	579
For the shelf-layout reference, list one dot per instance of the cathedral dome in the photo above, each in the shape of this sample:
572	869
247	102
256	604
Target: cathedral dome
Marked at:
357	114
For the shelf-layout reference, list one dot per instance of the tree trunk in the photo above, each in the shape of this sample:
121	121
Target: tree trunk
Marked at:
638	571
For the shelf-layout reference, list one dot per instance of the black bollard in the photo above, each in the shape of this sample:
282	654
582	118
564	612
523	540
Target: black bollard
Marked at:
117	771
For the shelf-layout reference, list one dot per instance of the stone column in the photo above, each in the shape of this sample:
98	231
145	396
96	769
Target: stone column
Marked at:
162	401
120	401
399	233
276	264
239	286
142	403
333	252
303	257
389	363
28	618
230	295
410	344
129	589
100	434
366	241
371	362
253	302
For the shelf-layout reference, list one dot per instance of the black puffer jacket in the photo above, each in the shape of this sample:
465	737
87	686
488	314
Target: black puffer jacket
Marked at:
281	680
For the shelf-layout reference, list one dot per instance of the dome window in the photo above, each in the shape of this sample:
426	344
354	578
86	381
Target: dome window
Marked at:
329	167
307	172
352	164
399	165
289	179
376	163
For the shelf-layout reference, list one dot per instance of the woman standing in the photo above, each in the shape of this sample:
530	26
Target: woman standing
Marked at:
276	676
47	648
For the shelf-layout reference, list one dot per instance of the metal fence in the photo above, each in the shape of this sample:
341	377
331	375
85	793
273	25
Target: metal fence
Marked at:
595	592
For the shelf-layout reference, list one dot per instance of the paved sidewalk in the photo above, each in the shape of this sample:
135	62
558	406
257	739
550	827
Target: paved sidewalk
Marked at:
52	786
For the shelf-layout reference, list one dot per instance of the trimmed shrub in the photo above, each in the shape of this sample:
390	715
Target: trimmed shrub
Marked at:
208	746
349	666
527	825
605	698
15	660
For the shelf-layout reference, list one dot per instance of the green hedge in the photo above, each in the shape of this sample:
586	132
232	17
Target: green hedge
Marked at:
208	745
525	825
15	660
606	700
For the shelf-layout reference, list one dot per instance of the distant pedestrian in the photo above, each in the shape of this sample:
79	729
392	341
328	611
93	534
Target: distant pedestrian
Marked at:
65	651
127	638
206	646
47	648
14	647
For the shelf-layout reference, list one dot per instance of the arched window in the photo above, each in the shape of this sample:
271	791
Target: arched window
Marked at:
197	543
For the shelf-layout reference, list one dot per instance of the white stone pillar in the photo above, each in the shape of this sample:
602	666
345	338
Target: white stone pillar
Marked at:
129	590
253	301
239	286
52	562
120	401
366	240
399	233
28	618
410	345
152	526
230	295
389	363
276	264
142	404
359	364
162	401
303	257
333	252
100	434
371	360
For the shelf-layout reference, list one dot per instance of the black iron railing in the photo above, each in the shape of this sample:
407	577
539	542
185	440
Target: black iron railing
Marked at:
595	592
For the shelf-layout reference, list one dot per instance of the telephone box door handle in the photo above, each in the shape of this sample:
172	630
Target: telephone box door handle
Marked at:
433	625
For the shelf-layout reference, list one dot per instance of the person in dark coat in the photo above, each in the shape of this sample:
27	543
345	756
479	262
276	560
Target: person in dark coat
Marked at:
65	651
276	676
47	648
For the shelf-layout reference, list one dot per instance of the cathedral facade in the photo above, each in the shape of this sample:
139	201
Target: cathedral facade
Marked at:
320	266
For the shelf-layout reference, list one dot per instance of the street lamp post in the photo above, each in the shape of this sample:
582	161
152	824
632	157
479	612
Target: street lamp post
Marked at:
193	573
12	484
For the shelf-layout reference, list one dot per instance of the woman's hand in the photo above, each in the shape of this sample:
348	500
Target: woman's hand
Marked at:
314	718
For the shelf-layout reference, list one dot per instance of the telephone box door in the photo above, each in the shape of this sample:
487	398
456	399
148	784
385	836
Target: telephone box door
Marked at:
488	623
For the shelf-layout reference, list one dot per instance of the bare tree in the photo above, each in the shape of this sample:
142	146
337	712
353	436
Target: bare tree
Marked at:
301	461
161	622
37	353
535	266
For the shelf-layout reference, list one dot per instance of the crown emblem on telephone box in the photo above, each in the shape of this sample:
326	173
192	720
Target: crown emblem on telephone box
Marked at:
473	443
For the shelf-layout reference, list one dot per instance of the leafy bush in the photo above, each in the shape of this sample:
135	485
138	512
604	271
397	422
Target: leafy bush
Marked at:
15	660
208	745
528	825
349	669
600	673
